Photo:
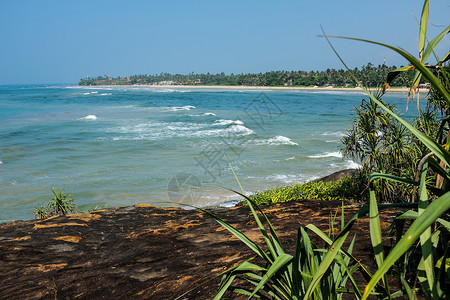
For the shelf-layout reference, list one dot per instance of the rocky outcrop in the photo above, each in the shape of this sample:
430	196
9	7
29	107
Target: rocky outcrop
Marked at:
337	175
141	251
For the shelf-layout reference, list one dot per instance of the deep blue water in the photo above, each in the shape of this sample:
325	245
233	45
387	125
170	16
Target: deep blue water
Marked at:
125	145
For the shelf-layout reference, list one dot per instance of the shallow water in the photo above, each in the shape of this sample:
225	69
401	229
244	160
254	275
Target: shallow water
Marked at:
124	145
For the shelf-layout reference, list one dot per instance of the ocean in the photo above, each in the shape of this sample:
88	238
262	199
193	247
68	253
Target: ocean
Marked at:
118	146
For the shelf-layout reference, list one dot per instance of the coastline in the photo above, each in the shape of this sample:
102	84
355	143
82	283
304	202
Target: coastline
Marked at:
245	87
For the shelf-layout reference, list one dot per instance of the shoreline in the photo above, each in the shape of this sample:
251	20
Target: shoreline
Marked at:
245	87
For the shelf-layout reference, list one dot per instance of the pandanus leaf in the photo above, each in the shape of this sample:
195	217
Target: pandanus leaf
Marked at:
424	58
428	217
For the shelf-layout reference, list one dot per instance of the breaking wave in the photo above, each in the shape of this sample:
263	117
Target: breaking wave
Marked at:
228	122
89	117
328	154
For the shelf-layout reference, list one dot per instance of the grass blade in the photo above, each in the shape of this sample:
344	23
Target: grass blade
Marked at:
425	238
279	263
375	231
251	244
433	211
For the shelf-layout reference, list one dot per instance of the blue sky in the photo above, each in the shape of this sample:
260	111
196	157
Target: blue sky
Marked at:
63	41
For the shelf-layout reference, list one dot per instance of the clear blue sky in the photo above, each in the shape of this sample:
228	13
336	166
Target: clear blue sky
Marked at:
62	41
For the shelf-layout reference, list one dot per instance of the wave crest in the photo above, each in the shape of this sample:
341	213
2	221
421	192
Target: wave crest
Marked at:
278	140
327	154
177	108
228	122
89	117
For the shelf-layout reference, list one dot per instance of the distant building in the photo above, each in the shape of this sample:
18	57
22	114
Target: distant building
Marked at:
166	82
424	86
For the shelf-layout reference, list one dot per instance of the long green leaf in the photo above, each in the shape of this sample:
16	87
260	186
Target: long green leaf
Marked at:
413	215
275	246
393	74
224	287
433	211
425	237
419	66
375	230
445	58
280	262
438	168
423	27
390	177
274	249
424	55
432	45
233	272
436	148
326	262
251	244
366	274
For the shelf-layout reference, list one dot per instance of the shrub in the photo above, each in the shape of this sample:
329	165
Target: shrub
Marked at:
348	188
60	204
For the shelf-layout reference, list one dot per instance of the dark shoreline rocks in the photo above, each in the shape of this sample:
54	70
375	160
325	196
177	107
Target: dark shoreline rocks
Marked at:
337	175
143	251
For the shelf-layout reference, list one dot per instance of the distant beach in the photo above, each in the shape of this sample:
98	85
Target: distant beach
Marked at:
245	87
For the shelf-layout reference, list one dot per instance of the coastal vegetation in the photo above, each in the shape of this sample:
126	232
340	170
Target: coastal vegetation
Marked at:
419	253
380	143
348	188
60	204
368	75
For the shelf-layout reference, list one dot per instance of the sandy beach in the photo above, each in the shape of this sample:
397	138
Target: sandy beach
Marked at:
244	87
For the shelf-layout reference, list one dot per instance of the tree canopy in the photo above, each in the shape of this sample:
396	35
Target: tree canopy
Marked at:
369	75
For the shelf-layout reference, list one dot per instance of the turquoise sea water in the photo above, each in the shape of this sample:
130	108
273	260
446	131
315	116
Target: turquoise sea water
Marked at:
125	145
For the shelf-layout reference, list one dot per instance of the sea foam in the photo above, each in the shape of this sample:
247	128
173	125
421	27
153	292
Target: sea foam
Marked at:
278	140
234	130
352	165
177	108
290	178
228	122
89	117
281	140
328	154
337	133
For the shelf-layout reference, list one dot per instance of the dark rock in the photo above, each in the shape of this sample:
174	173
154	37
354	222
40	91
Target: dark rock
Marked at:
337	175
142	252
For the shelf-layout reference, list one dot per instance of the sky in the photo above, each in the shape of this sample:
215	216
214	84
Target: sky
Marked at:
50	42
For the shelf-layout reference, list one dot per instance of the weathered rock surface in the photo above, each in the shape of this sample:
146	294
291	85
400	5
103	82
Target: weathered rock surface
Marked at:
142	251
337	175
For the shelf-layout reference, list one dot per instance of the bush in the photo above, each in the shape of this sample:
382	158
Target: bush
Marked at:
61	204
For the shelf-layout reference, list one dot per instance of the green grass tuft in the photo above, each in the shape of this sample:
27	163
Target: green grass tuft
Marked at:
348	188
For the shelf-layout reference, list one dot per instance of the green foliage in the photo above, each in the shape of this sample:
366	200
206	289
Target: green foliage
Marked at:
92	209
433	199
346	188
310	271
60	204
419	256
368	75
380	143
